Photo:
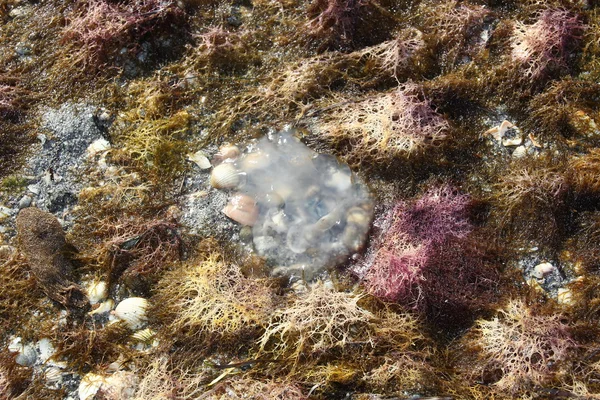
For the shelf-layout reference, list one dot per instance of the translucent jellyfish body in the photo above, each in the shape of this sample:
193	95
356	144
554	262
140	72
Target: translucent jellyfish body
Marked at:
307	210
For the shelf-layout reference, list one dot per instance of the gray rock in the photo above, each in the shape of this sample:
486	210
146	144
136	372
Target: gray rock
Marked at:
25	201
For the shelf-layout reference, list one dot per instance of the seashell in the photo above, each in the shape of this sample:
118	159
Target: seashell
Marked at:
97	291
133	312
97	146
145	335
47	349
227	152
519	152
225	176
200	159
26	353
565	296
53	375
543	269
104	307
89	386
242	208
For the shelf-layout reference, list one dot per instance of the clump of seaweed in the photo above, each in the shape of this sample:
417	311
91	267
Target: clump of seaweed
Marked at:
155	146
220	49
543	47
138	249
208	300
399	372
567	109
158	381
426	258
98	32
315	324
529	199
19	293
397	57
397	124
584	173
14	99
395	271
125	233
455	30
84	346
524	347
246	387
319	336
14	378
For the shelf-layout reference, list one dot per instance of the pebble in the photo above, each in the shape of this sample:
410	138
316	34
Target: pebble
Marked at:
542	270
25	202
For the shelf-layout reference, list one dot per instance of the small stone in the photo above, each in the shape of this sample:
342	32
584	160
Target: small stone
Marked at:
35	189
25	202
5	213
542	270
246	234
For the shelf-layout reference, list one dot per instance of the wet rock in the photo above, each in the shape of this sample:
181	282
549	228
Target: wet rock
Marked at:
25	202
42	240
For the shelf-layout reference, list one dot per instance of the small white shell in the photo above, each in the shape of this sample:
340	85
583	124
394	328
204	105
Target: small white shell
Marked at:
145	335
104	307
133	312
519	152
543	269
89	386
47	349
53	375
225	176
200	159
98	146
242	208
26	352
97	291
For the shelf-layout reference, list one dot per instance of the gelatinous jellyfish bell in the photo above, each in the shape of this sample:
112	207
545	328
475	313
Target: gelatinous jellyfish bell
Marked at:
308	211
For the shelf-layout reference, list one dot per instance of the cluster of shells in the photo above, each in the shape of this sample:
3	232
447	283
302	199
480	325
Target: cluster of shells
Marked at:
304	211
114	382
